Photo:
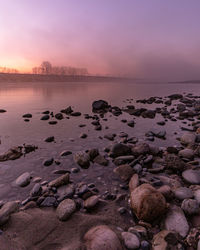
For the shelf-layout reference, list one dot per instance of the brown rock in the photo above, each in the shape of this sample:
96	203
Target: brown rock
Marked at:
125	172
165	240
62	180
147	203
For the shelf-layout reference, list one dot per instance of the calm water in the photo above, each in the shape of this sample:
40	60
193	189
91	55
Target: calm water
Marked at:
34	98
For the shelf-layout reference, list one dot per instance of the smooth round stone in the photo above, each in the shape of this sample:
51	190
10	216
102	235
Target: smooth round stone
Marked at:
91	202
176	221
190	206
65	209
131	241
23	180
188	138
191	176
183	193
186	153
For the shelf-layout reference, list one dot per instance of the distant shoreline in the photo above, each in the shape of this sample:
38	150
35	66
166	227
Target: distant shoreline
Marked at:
8	77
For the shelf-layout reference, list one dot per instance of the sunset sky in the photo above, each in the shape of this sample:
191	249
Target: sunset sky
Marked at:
140	38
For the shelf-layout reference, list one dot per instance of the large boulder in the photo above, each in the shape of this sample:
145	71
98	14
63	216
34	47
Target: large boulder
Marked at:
147	203
102	238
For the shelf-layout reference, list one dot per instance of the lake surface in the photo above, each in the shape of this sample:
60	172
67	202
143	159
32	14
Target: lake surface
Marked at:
34	98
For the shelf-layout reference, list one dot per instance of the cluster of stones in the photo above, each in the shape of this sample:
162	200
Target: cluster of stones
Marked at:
163	184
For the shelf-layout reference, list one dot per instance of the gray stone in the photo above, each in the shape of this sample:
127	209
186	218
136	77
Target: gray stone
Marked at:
131	241
49	201
176	221
120	149
190	206
48	162
182	193
191	176
23	180
65	209
36	190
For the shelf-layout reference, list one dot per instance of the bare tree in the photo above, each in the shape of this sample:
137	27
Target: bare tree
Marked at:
46	68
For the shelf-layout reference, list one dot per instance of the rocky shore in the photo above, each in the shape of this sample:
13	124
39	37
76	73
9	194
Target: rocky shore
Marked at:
154	205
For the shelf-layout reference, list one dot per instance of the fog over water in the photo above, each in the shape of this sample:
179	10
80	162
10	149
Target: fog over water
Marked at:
143	39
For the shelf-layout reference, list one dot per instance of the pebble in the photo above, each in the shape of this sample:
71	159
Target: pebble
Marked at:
182	193
48	162
190	206
191	176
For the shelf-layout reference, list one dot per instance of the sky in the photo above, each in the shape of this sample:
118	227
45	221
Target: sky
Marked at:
148	39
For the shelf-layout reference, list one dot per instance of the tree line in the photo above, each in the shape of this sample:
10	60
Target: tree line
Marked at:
8	70
47	69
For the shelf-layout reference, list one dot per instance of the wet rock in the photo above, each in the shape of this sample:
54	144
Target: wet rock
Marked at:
110	137
59	116
53	122
131	123
66	191
191	176
7	209
173	163
101	160
161	123
91	202
190	206
2	111
83	135
175	221
140	149
158	133
175	96
67	111
23	180
45	117
102	237
82	159
36	190
75	114
131	241
62	180
12	154
49	139
48	162
125	172
60	171
147	203
27	115
49	201
182	193
188	138
120	149
123	159
99	105
65	153
165	240
65	209
149	114
186	153
93	153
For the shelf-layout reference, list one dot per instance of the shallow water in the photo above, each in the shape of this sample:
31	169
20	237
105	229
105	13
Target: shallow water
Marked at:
34	98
